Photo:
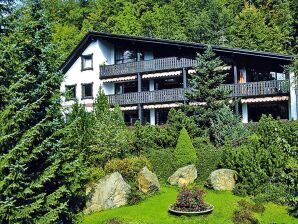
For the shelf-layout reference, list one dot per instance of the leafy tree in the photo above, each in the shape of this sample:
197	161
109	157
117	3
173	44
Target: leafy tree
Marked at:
204	85
39	175
184	153
163	22
261	30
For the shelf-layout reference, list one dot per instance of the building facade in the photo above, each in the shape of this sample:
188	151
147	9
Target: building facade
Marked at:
146	77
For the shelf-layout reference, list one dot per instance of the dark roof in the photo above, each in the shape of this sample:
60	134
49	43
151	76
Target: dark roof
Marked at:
94	35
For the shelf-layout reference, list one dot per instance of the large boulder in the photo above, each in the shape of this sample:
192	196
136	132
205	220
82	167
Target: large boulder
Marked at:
109	192
184	176
148	181
222	179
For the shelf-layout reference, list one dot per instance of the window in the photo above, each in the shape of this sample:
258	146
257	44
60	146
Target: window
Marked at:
87	62
70	92
87	91
169	83
126	87
125	55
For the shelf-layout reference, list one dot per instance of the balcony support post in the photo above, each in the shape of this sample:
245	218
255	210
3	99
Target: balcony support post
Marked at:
139	82
293	98
152	116
244	113
184	78
140	113
235	81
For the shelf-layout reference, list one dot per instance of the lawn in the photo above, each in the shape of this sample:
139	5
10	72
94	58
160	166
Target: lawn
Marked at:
154	210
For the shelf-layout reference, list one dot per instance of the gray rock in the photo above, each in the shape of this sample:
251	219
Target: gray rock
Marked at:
148	181
109	192
222	179
184	176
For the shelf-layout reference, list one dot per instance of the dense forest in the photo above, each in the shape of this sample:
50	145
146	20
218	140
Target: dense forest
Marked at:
267	25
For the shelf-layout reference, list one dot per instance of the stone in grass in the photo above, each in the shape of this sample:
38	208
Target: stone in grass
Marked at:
148	182
222	179
184	176
109	192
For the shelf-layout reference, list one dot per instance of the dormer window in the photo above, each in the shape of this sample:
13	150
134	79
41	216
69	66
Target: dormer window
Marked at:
87	62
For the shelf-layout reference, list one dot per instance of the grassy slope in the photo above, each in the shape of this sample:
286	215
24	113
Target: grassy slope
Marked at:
154	210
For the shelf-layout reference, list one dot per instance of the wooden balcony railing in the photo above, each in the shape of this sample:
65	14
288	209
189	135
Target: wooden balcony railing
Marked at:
160	64
157	96
275	87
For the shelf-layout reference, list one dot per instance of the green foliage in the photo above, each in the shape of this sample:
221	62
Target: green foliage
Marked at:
184	153
209	158
79	131
41	176
226	127
95	174
111	138
163	22
204	88
162	161
245	214
128	167
267	165
276	193
177	120
135	196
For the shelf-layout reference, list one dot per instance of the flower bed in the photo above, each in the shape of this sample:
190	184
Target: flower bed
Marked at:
190	201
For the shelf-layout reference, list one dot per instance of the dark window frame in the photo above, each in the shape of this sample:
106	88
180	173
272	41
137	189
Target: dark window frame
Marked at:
75	92
82	86
83	57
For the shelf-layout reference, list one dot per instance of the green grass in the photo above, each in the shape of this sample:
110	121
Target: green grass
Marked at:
154	210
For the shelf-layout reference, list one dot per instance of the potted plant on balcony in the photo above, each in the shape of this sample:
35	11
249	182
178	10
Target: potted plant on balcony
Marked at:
190	202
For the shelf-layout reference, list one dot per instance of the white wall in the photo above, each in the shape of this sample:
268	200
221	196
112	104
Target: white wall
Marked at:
103	52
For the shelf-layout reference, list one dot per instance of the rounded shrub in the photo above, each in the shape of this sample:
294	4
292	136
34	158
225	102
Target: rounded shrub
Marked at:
184	153
128	167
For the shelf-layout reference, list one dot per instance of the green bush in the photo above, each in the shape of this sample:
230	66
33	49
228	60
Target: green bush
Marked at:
162	161
184	153
276	193
267	164
226	127
245	214
128	167
209	158
147	137
135	196
177	120
96	173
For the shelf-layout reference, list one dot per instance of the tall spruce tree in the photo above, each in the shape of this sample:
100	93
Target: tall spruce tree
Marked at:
204	93
39	180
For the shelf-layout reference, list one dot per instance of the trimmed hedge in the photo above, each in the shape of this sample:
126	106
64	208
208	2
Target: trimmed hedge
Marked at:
162	161
184	153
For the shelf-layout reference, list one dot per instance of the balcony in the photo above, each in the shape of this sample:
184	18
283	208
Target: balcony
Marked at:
275	87
157	96
161	64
